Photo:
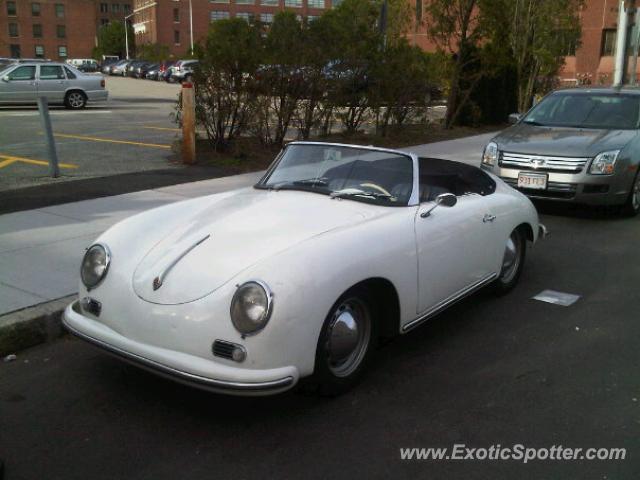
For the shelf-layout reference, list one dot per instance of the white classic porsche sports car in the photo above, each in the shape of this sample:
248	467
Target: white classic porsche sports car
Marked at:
246	292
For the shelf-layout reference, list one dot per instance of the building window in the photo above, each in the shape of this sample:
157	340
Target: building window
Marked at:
61	31
218	15
270	3
246	16
104	8
293	3
11	9
176	15
59	10
266	17
35	9
312	18
104	21
176	37
37	30
245	2
13	29
608	42
335	3
62	51
219	1
15	51
126	8
115	8
39	51
315	3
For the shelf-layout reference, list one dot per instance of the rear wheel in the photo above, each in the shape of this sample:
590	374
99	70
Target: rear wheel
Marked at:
512	262
346	343
632	206
75	100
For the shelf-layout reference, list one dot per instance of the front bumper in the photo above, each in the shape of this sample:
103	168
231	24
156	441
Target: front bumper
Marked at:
572	187
178	366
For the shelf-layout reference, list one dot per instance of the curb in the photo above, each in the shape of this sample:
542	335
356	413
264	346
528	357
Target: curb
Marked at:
32	325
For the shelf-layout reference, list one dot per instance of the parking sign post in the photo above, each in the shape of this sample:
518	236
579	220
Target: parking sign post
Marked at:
188	124
43	107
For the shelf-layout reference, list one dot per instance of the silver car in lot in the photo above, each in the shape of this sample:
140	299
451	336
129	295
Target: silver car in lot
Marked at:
23	83
576	145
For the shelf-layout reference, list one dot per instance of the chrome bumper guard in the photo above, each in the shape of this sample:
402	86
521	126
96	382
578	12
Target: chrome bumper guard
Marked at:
209	384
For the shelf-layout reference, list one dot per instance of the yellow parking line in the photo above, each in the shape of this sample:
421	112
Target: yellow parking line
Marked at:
9	159
110	140
164	128
7	162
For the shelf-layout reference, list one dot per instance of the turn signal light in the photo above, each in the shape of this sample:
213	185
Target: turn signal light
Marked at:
102	83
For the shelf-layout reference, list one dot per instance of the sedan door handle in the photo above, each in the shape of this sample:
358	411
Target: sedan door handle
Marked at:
488	218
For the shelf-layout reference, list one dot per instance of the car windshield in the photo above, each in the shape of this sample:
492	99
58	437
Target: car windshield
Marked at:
361	174
609	111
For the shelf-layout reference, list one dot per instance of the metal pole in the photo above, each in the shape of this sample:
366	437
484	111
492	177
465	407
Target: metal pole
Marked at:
191	24
126	37
43	107
621	44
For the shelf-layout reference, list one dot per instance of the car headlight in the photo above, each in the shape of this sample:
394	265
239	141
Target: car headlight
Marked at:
95	265
251	307
604	163
490	155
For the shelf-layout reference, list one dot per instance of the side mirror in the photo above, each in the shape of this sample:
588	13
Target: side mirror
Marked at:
514	118
5	78
444	199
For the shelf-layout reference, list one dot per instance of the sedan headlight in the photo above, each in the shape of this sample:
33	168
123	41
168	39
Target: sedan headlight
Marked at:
604	163
490	155
251	307
95	265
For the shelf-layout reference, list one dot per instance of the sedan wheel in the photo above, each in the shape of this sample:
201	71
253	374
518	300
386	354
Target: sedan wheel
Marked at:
346	343
512	262
632	207
75	100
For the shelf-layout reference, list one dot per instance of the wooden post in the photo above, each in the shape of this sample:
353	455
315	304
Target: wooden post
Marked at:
188	124
43	106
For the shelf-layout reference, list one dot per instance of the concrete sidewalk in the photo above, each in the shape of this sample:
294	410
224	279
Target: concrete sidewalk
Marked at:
41	250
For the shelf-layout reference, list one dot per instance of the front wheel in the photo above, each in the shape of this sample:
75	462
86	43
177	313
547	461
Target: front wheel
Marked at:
346	343
512	263
75	100
632	206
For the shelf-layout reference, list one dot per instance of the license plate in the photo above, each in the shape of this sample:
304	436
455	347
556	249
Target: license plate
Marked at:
533	181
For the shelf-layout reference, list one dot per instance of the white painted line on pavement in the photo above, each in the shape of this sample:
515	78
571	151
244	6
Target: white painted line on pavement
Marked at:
557	298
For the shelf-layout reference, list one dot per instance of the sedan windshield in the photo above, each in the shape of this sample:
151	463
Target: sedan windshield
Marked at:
609	111
367	175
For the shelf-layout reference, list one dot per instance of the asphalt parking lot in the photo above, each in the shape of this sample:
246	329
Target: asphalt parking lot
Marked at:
132	132
509	370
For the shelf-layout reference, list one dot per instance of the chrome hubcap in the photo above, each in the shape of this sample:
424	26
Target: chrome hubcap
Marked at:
511	259
635	194
76	100
348	337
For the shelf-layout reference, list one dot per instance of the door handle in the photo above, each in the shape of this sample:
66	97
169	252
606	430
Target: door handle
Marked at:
488	218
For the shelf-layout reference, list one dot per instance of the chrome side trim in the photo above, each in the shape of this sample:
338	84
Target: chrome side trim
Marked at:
210	384
157	282
449	301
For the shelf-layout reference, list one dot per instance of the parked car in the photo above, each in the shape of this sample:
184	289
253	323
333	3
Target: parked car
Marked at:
246	292
165	70
120	68
131	68
183	70
107	64
576	145
140	68
86	65
23	83
148	68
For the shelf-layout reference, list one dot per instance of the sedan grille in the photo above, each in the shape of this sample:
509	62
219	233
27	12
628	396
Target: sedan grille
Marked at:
543	163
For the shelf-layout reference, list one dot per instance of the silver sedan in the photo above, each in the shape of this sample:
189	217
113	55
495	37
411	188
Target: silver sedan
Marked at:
23	83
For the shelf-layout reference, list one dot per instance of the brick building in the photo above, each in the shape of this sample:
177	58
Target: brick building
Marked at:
55	29
166	22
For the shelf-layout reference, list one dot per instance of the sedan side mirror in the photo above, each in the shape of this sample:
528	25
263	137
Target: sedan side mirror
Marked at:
5	78
444	199
514	118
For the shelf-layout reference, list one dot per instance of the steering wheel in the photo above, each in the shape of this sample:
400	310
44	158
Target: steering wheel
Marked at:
375	187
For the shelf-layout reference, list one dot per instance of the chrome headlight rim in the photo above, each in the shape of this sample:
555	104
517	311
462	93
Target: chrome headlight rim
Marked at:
490	161
597	158
268	310
107	256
